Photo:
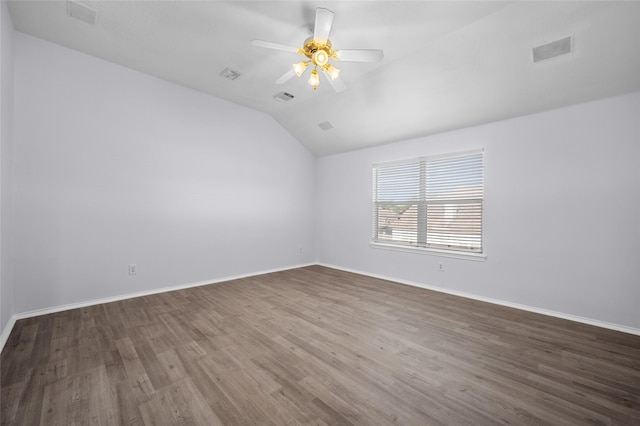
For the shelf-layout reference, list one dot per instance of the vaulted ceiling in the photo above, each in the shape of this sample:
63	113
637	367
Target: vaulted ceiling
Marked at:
446	65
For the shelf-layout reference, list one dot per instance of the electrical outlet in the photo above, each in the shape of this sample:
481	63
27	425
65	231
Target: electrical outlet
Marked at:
441	266
133	269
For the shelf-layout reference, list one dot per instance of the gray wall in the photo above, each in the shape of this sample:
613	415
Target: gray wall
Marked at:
6	168
562	208
114	167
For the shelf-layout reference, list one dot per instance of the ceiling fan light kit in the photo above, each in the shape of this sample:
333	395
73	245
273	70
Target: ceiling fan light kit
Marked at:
319	51
314	79
300	67
332	71
319	56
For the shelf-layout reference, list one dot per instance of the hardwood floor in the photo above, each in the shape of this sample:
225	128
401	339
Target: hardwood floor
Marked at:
315	346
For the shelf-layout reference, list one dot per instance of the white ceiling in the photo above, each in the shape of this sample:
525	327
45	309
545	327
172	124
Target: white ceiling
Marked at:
447	64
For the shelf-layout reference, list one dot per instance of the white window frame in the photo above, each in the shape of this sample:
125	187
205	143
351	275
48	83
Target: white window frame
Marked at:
420	245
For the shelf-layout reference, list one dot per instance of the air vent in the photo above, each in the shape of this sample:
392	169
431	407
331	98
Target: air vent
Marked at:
284	96
551	50
230	74
82	13
326	125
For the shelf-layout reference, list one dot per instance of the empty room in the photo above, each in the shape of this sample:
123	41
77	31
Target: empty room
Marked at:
319	213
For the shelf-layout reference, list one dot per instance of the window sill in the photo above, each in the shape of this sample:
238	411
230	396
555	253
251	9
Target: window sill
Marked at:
478	257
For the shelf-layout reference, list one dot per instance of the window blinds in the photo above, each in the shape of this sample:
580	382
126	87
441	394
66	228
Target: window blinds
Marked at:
430	202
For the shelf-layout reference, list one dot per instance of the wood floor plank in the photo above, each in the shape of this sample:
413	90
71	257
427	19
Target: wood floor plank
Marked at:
315	346
10	398
238	388
179	404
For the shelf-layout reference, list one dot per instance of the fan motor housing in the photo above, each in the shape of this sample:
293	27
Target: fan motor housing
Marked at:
311	48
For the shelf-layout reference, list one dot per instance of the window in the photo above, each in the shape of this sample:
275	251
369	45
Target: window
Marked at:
430	203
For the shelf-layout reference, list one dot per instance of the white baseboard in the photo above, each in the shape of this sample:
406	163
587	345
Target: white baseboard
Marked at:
589	321
9	327
7	330
53	309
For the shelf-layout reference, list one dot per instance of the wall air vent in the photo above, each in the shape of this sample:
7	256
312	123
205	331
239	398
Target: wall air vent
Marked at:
82	13
551	50
326	125
283	96
230	74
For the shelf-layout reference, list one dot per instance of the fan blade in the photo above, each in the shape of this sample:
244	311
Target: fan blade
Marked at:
322	28
276	46
337	84
359	55
286	77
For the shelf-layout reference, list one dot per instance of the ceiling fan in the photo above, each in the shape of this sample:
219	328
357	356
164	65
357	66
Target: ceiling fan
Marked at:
319	51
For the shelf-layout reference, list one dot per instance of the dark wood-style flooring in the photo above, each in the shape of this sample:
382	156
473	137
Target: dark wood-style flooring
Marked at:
315	346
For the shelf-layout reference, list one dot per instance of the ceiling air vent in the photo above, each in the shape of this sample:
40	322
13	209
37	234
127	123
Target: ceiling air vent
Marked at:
82	13
230	74
326	125
284	96
551	50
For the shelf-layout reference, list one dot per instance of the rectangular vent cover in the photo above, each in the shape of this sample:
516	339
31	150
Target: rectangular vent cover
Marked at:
230	74
284	96
551	50
82	13
326	125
